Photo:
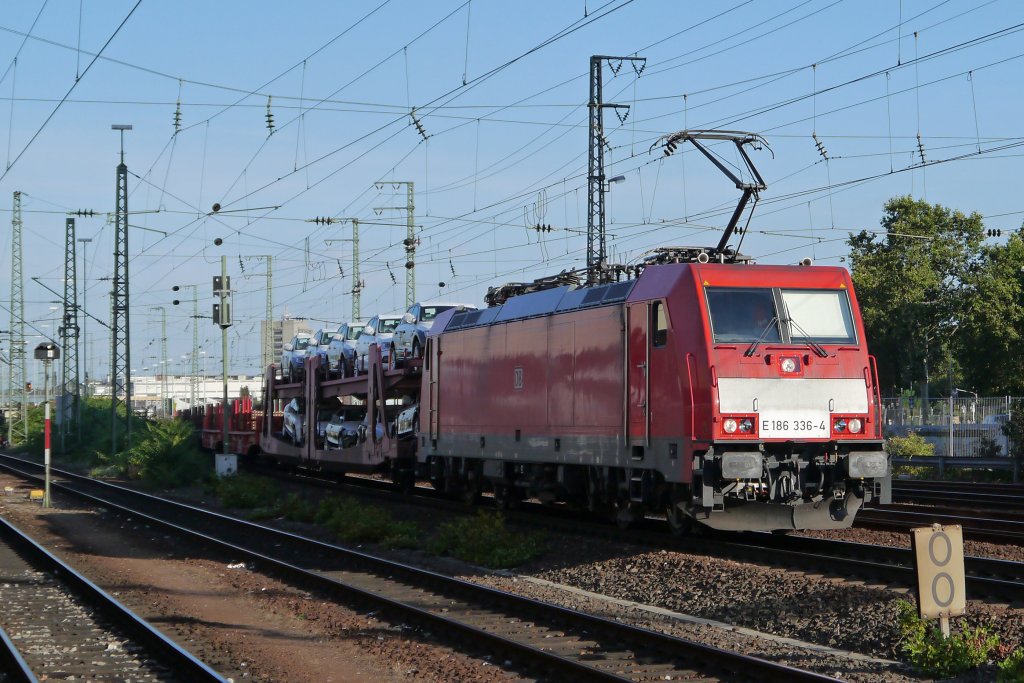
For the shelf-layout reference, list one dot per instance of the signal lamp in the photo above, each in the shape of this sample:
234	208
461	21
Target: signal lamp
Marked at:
840	424
855	425
730	426
746	425
789	365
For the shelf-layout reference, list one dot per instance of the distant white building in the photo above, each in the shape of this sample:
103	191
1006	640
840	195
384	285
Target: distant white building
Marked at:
146	390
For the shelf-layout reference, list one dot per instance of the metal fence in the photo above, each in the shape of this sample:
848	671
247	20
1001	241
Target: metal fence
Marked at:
959	427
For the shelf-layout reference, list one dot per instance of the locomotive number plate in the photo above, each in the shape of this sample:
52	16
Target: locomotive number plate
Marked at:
793	425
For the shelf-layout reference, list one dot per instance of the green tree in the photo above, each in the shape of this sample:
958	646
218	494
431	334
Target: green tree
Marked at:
909	284
992	327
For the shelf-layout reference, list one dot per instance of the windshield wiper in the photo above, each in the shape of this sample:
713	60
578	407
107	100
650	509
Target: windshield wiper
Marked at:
757	342
815	346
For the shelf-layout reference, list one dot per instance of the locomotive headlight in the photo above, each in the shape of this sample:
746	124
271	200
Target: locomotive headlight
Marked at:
746	425
840	425
729	426
788	364
855	425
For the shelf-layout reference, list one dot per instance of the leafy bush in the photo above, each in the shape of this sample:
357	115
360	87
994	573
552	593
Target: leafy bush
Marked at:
910	446
1014	430
352	522
165	455
940	657
1011	669
486	541
246	491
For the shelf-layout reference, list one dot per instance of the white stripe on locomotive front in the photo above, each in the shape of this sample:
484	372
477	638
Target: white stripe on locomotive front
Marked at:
796	395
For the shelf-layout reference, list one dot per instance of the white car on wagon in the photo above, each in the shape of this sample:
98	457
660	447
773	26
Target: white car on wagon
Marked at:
379	330
411	334
343	346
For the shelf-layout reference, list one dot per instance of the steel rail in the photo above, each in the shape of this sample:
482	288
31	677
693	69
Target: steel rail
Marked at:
158	645
12	665
986	577
644	643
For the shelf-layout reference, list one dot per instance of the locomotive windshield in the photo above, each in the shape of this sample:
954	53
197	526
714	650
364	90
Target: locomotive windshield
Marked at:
809	316
743	315
821	316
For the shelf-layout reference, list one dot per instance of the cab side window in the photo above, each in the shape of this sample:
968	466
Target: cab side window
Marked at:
659	325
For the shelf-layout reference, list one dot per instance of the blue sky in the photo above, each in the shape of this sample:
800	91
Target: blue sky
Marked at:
505	150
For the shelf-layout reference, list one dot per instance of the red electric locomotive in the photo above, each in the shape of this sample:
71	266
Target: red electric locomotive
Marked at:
738	396
729	394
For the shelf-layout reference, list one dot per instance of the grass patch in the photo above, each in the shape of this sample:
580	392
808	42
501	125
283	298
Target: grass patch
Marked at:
294	508
352	522
485	540
940	657
1011	669
247	492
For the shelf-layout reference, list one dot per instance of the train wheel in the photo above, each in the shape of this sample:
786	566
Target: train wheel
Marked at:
505	497
472	485
679	523
623	512
405	482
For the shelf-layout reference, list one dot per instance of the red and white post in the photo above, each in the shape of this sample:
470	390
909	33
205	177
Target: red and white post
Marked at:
46	450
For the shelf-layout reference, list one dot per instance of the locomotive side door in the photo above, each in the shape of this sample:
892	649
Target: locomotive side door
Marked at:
638	359
431	356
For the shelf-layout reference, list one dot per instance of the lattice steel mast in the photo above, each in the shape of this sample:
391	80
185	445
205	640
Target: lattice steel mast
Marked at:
268	333
17	427
69	333
120	347
410	237
357	283
163	358
597	251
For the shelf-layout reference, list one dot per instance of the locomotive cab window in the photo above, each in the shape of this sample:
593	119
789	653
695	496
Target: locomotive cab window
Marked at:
743	315
659	325
822	316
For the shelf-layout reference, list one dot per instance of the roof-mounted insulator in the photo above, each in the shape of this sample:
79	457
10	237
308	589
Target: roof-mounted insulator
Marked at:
177	118
821	146
543	227
82	212
270	116
322	220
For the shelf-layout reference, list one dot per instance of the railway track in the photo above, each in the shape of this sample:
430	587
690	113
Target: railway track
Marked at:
56	624
998	580
548	641
951	495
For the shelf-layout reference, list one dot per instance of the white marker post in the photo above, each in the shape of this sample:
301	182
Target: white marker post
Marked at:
939	558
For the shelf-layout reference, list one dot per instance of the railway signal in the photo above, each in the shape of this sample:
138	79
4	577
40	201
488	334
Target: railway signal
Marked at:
939	559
